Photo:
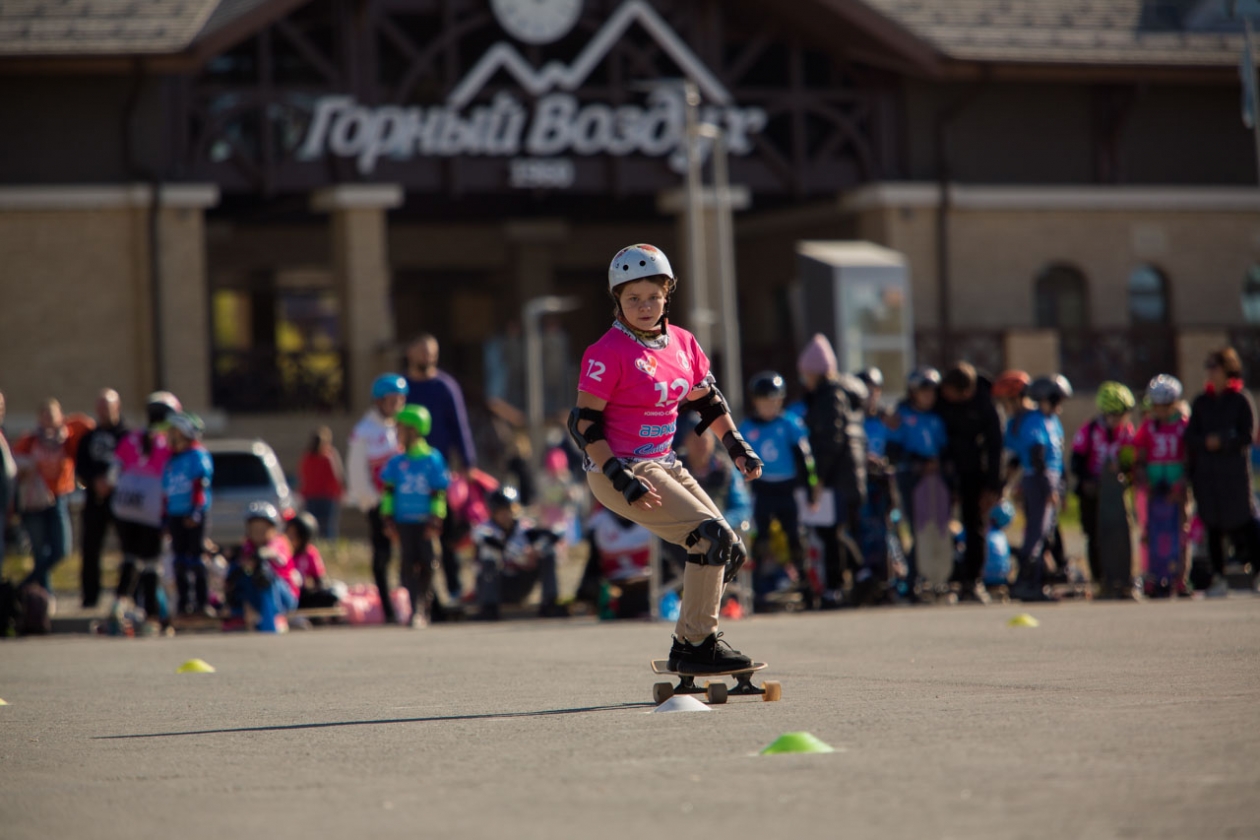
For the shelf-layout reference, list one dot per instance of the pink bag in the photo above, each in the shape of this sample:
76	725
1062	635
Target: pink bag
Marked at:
363	605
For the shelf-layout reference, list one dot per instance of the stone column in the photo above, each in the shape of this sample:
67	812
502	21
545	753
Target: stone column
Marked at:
361	277
185	293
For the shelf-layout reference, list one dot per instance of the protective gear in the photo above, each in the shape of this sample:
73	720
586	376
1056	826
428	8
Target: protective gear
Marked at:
638	262
923	377
767	384
710	407
738	555
593	432
624	481
160	406
306	524
1011	384
1114	398
187	424
504	498
872	377
722	541
1054	389
415	417
737	447
1164	390
1002	513
388	384
262	510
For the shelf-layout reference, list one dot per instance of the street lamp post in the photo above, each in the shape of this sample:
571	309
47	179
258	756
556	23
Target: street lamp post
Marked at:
531	316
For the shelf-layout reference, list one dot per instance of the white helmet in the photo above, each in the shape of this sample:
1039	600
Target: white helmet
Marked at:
637	262
1164	390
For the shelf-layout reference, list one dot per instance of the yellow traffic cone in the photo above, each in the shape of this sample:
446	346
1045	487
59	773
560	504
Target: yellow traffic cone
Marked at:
195	666
1023	620
797	742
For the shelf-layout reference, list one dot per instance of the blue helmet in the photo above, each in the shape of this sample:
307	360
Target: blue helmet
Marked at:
388	384
1002	513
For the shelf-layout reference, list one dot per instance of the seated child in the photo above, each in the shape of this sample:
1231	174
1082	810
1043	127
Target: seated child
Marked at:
622	549
513	553
262	575
310	565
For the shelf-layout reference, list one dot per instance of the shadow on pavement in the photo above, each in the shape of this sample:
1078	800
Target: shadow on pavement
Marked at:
290	727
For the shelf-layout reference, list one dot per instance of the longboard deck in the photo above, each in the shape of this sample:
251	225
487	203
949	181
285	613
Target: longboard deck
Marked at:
1114	534
934	546
661	666
1163	540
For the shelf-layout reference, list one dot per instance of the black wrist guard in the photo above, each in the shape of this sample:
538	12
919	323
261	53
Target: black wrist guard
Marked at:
623	481
737	447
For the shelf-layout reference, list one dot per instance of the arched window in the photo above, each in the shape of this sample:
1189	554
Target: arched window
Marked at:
1062	298
1148	296
1251	295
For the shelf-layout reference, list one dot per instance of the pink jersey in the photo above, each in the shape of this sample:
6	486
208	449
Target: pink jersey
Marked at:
133	459
1162	443
1100	445
309	563
280	557
642	387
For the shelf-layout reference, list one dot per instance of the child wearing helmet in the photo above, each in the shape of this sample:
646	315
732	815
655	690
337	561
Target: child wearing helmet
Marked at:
301	531
916	444
1038	441
186	486
513	554
413	506
1105	442
1160	458
372	443
137	503
632	384
262	576
783	444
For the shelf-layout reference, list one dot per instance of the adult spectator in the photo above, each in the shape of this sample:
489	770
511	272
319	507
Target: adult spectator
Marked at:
93	464
1218	444
450	434
321	481
45	462
8	476
834	419
973	458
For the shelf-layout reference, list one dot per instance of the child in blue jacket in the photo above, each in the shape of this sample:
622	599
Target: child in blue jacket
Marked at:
186	483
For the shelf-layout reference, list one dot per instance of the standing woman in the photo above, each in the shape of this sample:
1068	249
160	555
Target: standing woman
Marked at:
45	462
321	479
1218	445
633	383
835	419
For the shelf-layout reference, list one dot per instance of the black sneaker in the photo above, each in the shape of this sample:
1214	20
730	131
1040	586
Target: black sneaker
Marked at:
711	656
676	652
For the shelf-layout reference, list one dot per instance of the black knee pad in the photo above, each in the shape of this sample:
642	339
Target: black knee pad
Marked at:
738	555
721	541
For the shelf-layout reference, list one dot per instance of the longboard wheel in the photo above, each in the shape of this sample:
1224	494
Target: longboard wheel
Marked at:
716	692
661	692
773	691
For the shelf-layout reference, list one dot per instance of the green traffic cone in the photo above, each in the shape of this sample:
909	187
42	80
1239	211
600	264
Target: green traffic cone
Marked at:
195	666
797	742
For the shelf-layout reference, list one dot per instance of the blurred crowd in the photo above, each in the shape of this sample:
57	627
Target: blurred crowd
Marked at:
867	498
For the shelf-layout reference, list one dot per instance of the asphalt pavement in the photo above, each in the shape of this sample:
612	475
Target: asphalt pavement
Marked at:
1108	720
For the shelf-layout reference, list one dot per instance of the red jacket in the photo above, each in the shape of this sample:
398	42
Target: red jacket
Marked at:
319	476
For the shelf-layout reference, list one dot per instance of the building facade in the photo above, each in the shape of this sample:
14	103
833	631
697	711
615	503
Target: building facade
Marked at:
256	204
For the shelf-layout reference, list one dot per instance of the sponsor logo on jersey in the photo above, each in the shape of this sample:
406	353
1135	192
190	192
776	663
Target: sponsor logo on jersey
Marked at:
647	364
684	361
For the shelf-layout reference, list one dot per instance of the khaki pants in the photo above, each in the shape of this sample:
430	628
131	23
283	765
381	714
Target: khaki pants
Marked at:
684	505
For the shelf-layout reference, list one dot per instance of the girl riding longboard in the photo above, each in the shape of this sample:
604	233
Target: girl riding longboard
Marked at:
633	383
